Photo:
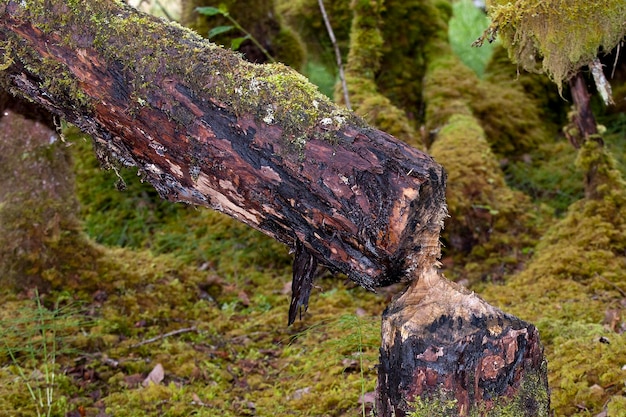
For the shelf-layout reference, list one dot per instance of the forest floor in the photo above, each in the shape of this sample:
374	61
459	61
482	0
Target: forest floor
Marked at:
188	316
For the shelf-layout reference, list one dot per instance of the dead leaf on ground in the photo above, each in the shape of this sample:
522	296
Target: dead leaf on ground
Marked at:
155	376
243	297
299	393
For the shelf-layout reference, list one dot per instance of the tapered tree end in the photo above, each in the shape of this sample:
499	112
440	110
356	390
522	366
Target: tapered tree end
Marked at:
304	267
446	352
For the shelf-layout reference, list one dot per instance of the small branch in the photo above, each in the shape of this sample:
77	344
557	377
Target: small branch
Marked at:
333	40
617	51
250	36
163	336
165	12
602	85
621	291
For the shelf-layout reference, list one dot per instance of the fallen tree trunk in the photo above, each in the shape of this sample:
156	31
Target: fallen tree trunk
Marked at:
256	142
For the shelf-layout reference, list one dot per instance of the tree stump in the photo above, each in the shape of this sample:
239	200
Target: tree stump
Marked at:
446	352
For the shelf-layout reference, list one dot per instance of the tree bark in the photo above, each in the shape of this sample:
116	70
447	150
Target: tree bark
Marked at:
584	128
262	145
446	352
583	119
255	142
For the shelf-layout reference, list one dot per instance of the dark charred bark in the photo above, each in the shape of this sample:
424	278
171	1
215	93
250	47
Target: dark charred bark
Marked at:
583	119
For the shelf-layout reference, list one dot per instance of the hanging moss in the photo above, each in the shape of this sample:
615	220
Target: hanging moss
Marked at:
555	37
550	108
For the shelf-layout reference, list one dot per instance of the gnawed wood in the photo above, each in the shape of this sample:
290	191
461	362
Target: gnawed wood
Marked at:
446	349
258	143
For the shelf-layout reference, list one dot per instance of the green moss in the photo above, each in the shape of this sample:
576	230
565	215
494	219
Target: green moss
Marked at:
261	19
41	241
554	37
531	390
405	49
586	373
538	89
362	69
510	118
574	278
492	225
274	93
303	16
548	175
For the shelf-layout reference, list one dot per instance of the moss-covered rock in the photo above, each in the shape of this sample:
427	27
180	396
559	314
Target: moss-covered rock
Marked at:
492	228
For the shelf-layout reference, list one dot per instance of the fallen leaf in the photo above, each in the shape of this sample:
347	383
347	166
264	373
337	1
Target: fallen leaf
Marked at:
243	297
299	393
155	376
133	381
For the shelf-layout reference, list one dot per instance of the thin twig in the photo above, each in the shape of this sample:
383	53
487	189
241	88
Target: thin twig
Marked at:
250	36
163	336
333	40
619	46
621	291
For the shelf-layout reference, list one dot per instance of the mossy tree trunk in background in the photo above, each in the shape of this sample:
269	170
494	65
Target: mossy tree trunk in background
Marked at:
363	66
257	17
261	144
41	242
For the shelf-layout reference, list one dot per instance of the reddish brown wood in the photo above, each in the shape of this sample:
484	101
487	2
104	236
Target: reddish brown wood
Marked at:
445	349
584	119
358	200
585	129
